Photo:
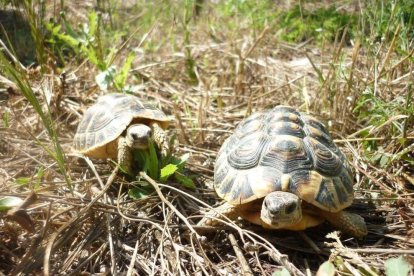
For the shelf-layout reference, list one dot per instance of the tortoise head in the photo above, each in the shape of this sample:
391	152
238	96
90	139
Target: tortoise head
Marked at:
280	210
138	136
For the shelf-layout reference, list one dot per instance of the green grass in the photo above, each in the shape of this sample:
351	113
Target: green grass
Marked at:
323	24
19	77
243	15
381	21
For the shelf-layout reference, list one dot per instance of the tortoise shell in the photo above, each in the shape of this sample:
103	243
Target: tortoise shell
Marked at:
108	118
283	150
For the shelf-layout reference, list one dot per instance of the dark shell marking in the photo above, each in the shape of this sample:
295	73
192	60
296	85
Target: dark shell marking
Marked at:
282	149
104	121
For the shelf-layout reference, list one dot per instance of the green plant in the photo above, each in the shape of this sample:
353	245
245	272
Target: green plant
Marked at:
159	169
384	18
19	77
185	21
6	119
87	43
35	180
9	202
247	14
321	24
36	25
397	266
387	117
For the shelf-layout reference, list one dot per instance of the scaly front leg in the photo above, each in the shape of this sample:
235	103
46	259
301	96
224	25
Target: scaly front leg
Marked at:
160	139
124	155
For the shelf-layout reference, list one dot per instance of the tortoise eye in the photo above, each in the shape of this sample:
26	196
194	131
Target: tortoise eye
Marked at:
290	208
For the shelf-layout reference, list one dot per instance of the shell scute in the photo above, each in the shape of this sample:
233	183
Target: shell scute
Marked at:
286	153
248	152
324	159
285	128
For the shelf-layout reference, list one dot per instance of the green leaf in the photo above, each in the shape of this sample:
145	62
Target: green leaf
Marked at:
110	57
6	119
6	203
121	78
167	171
68	27
185	181
152	162
140	192
93	23
105	78
384	161
39	175
281	272
179	162
326	269
397	267
23	180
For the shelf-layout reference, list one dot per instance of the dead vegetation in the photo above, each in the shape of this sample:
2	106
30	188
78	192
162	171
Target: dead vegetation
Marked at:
362	91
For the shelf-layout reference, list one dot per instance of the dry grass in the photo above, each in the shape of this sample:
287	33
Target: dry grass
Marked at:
97	228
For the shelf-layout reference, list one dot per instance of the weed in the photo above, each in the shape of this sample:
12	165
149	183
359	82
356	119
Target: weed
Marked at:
16	74
186	20
87	43
242	15
159	169
386	117
380	22
322	24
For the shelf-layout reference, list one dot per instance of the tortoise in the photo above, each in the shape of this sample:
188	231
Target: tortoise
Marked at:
118	123
281	169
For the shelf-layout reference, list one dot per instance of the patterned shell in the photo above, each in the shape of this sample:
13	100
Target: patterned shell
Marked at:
283	150
108	118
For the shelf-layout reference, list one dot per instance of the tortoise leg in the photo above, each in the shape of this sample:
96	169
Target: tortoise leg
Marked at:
124	155
347	222
210	218
160	138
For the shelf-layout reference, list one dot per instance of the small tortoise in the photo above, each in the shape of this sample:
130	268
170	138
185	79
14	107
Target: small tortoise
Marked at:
280	169
116	124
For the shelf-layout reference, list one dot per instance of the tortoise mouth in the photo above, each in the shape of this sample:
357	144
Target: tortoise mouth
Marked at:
141	143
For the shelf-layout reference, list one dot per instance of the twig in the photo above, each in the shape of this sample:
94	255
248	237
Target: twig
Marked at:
108	216
272	251
133	258
172	207
310	242
244	264
370	139
382	250
83	211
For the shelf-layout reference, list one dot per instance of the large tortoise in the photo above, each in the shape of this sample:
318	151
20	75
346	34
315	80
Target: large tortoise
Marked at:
281	169
116	124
